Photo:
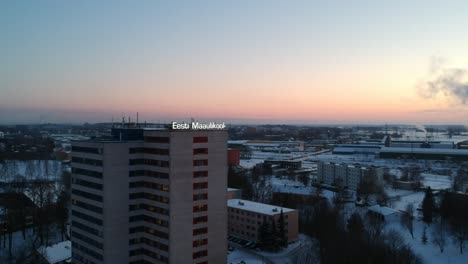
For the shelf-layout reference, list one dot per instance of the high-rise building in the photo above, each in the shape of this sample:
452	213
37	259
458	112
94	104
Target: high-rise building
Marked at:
150	196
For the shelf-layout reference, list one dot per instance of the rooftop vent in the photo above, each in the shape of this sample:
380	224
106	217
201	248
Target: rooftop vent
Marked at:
275	209
241	203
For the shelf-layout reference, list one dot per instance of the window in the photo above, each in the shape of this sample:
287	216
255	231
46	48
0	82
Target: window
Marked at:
148	173
197	163
201	219
151	162
200	139
90	173
154	151
149	185
149	196
201	196
200	208
87	195
157	139
200	151
199	174
88	184
86	217
87	206
200	242
86	150
92	162
200	185
200	254
200	231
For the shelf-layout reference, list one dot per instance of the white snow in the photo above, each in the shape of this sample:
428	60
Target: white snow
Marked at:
257	207
56	253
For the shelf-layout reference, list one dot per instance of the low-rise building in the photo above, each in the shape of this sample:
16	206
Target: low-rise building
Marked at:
384	213
246	217
346	175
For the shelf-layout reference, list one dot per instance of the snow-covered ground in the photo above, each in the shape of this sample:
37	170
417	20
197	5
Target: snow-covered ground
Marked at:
436	182
429	252
240	256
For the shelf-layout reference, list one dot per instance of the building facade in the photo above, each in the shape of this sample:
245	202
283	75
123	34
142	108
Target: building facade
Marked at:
246	217
346	175
150	196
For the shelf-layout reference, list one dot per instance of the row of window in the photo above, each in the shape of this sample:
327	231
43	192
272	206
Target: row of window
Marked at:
87	195
148	173
148	207
201	242
90	173
149	196
200	151
88	184
87	240
87	206
200	185
148	230
200	174
87	161
200	219
200	231
154	151
150	162
151	254
86	228
203	162
247	213
200	208
201	196
86	250
87	150
150	185
77	258
200	254
87	218
200	139
149	219
157	139
149	242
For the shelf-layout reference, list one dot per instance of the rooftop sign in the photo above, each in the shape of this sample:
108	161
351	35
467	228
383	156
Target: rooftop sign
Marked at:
197	126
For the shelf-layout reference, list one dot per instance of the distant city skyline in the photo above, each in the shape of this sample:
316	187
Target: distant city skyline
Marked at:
265	61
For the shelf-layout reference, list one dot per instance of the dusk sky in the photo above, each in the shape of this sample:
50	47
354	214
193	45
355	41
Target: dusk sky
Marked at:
239	61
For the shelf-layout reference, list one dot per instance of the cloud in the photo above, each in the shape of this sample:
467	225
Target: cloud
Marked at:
449	82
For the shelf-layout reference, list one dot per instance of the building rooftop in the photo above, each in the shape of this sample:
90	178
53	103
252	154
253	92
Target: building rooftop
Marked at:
425	151
261	208
57	253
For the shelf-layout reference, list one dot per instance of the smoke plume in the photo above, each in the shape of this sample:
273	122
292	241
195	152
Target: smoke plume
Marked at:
450	82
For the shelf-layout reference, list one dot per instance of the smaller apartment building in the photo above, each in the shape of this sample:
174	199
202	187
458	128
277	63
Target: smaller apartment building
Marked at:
346	175
246	217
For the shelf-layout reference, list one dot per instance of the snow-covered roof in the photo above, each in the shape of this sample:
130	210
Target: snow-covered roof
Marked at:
382	210
56	253
260	208
426	151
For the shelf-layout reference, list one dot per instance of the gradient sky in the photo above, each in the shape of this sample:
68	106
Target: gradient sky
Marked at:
268	61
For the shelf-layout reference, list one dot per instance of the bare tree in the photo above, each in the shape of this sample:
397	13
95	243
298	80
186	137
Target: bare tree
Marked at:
439	236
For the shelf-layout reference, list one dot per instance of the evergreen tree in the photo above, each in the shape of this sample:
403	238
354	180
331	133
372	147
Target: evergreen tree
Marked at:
428	206
424	237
